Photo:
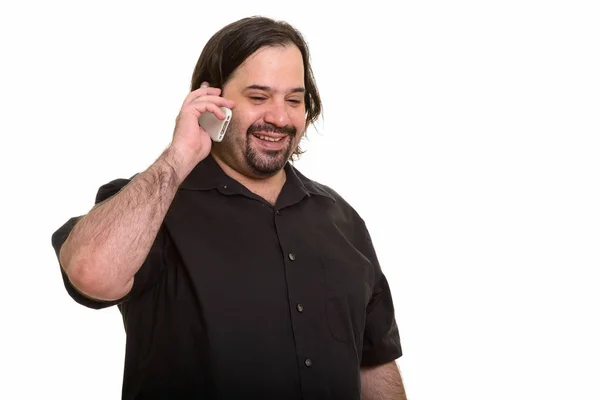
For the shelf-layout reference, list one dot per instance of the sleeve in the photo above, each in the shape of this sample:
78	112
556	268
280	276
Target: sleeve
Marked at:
381	338
145	276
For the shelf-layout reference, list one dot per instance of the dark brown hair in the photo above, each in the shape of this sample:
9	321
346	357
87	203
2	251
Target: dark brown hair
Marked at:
233	44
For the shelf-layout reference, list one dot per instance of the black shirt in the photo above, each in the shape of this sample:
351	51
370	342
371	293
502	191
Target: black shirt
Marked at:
239	299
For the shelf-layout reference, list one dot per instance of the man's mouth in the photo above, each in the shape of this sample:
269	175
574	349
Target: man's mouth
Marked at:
268	138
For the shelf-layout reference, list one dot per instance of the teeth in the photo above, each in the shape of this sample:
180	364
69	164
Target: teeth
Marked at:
270	139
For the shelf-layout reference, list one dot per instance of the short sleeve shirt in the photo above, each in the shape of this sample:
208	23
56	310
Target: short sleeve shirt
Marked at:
239	299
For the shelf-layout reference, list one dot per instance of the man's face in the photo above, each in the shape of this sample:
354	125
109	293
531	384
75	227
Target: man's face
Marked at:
269	115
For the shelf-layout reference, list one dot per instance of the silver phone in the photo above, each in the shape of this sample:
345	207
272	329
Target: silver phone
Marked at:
215	127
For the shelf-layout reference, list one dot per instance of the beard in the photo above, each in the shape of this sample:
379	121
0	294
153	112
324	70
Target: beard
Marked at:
260	162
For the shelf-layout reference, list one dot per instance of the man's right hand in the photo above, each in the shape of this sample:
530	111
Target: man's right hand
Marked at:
191	142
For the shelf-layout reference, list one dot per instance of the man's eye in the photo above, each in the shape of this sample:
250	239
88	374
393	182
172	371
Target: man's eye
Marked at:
256	98
294	101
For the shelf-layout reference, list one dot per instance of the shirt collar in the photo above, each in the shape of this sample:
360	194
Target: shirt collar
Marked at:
310	187
208	175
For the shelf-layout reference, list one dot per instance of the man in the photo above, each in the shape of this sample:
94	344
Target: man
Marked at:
237	276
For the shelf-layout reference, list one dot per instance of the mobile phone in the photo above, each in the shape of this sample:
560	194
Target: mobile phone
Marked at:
215	127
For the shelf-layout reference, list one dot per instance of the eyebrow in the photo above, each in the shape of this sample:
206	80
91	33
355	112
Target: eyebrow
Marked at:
270	89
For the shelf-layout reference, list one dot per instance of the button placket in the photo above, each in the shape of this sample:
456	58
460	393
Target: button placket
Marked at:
294	264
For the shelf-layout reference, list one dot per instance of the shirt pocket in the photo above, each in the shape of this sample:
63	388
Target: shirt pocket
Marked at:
349	285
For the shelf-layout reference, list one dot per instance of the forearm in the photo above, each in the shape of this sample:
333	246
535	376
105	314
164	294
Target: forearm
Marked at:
108	245
382	383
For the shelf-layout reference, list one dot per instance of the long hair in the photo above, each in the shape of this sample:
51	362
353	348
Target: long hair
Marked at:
233	44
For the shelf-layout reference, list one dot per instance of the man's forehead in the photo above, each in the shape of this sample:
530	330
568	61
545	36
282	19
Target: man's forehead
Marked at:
272	59
274	69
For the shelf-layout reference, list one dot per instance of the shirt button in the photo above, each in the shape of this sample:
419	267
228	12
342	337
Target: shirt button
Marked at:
292	256
278	212
300	307
308	362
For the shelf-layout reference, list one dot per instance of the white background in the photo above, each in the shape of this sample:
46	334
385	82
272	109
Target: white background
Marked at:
465	133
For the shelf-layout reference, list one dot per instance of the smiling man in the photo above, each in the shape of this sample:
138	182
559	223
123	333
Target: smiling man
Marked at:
237	276
269	119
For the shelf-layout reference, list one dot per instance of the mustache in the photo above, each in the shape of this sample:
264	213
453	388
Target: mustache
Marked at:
286	130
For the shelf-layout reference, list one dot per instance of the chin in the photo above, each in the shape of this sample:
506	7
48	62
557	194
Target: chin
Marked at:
264	164
266	169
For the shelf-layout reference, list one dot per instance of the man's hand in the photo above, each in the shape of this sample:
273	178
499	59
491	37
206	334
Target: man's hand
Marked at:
191	144
382	383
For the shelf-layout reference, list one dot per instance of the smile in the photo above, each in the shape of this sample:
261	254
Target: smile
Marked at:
268	138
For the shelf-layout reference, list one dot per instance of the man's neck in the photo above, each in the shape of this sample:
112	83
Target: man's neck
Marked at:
267	188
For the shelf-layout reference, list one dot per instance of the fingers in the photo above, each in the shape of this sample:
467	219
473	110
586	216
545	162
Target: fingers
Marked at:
209	103
201	92
207	94
218	100
200	107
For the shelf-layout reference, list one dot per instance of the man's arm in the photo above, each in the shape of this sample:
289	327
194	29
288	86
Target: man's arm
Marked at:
382	382
107	246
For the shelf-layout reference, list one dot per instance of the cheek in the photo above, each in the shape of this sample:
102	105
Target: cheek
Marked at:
244	118
298	117
239	125
300	123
